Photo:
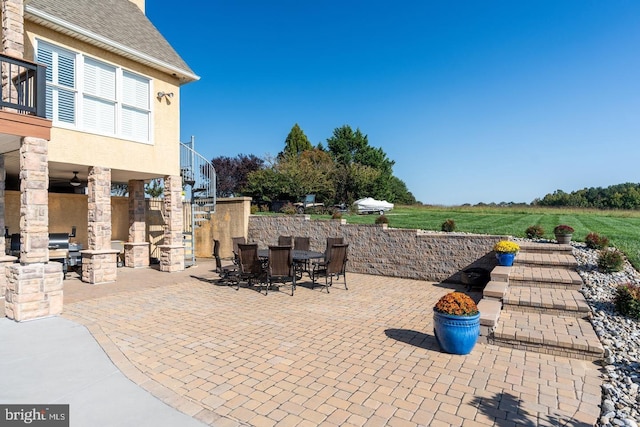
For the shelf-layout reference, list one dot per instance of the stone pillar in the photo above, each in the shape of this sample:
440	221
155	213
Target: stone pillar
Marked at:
5	260
13	28
12	42
99	261
34	287
136	250
172	251
34	201
3	177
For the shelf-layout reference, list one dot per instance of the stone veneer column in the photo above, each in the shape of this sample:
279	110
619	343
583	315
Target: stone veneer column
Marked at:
13	28
99	261
5	260
172	251
12	41
136	250
34	287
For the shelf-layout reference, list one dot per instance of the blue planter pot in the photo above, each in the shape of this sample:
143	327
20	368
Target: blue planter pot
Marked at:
456	334
505	259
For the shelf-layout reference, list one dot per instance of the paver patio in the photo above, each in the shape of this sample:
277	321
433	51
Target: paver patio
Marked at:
362	357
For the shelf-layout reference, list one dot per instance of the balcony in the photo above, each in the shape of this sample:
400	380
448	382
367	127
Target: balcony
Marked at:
23	102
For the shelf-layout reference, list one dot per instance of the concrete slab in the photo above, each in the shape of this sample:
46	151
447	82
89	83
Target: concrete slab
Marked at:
57	361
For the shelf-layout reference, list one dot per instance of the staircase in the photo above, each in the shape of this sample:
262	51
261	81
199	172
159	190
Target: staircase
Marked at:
199	185
536	305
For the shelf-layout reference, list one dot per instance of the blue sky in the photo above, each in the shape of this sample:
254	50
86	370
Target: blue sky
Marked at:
475	101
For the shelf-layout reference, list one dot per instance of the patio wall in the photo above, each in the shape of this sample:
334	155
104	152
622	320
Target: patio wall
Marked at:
229	220
380	250
66	210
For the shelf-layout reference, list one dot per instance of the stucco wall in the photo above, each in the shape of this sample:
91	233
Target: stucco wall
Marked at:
379	250
66	210
229	220
161	156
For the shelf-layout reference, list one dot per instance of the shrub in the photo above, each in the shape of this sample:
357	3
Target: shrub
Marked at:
449	225
253	209
627	300
534	232
336	215
563	229
382	219
506	247
610	261
289	209
456	303
596	241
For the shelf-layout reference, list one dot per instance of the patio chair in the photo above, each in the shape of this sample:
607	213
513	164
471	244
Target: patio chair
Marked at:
333	241
281	268
301	243
228	274
285	240
334	265
236	241
330	242
250	266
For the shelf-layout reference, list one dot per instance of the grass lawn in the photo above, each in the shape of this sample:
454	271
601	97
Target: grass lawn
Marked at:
621	227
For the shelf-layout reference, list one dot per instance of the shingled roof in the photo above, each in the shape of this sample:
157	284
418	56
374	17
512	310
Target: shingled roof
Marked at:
118	26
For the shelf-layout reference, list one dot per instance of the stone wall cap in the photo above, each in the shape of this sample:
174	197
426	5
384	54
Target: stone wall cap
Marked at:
171	246
232	199
100	252
8	258
137	243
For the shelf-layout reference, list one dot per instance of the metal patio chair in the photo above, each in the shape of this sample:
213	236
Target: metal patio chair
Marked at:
250	267
281	268
228	274
334	265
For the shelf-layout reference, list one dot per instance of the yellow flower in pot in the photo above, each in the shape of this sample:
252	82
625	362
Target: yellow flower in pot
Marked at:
506	251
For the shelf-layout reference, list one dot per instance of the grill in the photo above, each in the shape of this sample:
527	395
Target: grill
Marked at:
60	250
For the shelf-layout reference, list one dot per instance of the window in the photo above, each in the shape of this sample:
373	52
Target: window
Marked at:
93	96
61	83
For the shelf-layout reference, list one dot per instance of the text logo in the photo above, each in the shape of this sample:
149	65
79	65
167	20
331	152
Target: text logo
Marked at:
34	415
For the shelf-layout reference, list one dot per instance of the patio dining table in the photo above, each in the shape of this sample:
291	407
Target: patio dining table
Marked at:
298	255
300	258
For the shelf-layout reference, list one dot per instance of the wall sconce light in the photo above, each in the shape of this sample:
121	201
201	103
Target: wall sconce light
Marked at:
75	181
161	94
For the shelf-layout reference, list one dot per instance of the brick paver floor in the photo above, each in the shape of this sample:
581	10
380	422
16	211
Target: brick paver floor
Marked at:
362	357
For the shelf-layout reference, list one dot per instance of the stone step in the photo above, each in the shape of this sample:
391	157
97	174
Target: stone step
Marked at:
544	247
543	277
548	334
495	290
489	315
489	311
500	274
540	259
561	302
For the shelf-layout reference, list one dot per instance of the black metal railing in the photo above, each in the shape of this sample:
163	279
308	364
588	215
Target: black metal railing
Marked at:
23	86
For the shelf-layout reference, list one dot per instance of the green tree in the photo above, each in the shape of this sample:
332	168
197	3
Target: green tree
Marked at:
348	148
268	184
154	188
311	172
296	142
400	192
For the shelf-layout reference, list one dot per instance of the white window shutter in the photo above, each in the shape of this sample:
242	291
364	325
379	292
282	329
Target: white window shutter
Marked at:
61	82
99	79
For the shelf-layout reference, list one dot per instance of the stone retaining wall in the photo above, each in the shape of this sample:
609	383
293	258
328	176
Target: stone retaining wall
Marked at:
380	250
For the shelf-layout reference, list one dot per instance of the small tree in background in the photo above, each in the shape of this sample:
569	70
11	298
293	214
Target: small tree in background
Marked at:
296	142
154	188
